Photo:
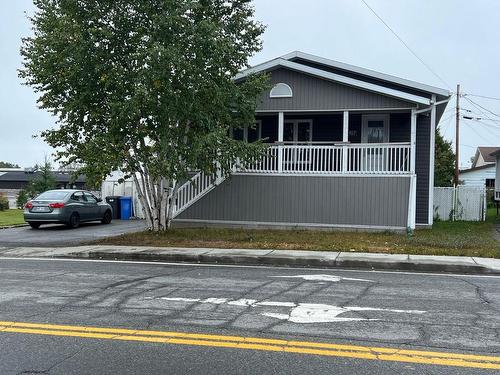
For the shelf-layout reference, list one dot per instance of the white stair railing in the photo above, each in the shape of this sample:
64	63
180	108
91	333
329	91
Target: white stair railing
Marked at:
192	190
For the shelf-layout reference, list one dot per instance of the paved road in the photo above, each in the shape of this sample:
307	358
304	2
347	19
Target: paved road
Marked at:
60	235
443	313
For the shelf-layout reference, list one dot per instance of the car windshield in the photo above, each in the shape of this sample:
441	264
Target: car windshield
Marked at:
52	195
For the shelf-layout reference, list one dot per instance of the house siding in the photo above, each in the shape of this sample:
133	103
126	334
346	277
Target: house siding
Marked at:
296	200
422	168
310	93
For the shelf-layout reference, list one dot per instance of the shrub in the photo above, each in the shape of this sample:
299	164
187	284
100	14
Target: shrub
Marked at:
22	198
4	202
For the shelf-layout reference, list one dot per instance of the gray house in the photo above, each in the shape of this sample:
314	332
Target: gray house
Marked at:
347	148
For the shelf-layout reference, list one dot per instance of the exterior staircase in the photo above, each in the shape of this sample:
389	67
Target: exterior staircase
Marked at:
195	188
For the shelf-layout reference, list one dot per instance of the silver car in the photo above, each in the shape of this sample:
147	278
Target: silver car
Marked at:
70	207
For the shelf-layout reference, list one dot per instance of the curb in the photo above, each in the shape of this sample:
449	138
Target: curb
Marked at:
14	226
280	258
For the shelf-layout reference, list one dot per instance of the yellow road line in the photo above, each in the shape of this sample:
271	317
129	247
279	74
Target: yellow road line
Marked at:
256	343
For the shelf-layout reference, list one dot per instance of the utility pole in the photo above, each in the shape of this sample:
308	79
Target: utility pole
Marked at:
457	135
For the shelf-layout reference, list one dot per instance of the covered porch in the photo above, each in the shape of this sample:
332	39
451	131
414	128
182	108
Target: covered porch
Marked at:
334	143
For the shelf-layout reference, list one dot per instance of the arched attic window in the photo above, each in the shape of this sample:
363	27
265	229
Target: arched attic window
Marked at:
281	90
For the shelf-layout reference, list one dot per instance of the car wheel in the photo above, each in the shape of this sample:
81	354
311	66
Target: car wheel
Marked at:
34	225
74	220
106	219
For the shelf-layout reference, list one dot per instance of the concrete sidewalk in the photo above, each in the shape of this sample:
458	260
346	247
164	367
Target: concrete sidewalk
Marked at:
318	259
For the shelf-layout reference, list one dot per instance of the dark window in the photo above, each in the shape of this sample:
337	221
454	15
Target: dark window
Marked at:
52	195
490	182
238	134
253	133
78	196
90	198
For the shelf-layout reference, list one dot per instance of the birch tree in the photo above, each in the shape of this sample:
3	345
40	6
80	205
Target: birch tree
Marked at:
146	88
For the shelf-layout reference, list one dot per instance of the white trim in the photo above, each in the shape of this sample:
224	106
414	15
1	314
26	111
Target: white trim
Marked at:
305	174
412	200
407	109
345	130
413	139
281	126
281	96
366	72
431	161
377	117
345	139
292	225
335	78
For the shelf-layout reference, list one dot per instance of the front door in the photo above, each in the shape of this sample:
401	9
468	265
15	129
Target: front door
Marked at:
375	130
297	131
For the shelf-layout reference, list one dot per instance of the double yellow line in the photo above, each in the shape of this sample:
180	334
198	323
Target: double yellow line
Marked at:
255	343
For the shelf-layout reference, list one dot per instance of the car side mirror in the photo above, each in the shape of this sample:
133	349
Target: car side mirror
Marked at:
99	200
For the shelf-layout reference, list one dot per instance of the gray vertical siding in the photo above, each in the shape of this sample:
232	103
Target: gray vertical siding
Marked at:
310	93
356	201
422	161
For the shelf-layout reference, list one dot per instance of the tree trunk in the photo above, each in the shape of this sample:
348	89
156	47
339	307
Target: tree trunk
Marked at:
146	209
171	204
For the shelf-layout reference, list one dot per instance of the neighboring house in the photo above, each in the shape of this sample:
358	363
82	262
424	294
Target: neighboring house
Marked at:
347	148
484	156
12	180
482	171
496	155
483	176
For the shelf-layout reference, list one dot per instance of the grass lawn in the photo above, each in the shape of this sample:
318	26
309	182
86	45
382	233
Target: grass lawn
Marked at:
11	217
445	238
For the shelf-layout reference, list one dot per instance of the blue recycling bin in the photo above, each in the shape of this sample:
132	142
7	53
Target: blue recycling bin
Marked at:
125	208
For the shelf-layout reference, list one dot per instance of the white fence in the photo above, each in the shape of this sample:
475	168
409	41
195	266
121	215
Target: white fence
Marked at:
112	187
467	203
354	158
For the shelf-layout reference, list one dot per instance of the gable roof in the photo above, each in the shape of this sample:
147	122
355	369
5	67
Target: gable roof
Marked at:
358	77
366	72
488	153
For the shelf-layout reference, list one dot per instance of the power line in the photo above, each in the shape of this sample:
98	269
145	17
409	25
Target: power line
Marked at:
484	96
406	45
477	133
479	105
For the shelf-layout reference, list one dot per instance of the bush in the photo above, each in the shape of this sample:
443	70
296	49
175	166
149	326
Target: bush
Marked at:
22	198
4	202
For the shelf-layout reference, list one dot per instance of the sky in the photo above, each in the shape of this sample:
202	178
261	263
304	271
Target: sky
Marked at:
457	39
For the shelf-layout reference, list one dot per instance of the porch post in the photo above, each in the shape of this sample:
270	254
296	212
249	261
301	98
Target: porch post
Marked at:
431	160
281	125
412	199
345	139
413	140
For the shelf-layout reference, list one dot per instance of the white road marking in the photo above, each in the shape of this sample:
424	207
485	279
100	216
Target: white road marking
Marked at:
307	313
182	264
331	278
216	301
177	299
301	313
278	304
242	302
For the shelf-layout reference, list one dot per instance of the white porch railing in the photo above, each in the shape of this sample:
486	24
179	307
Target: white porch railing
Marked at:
353	158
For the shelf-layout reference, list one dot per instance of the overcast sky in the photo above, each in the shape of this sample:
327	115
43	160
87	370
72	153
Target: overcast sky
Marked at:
458	39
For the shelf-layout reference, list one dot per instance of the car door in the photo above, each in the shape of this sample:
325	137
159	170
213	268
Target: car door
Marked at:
92	207
79	204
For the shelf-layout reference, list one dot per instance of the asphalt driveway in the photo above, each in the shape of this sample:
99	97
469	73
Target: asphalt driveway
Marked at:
60	235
